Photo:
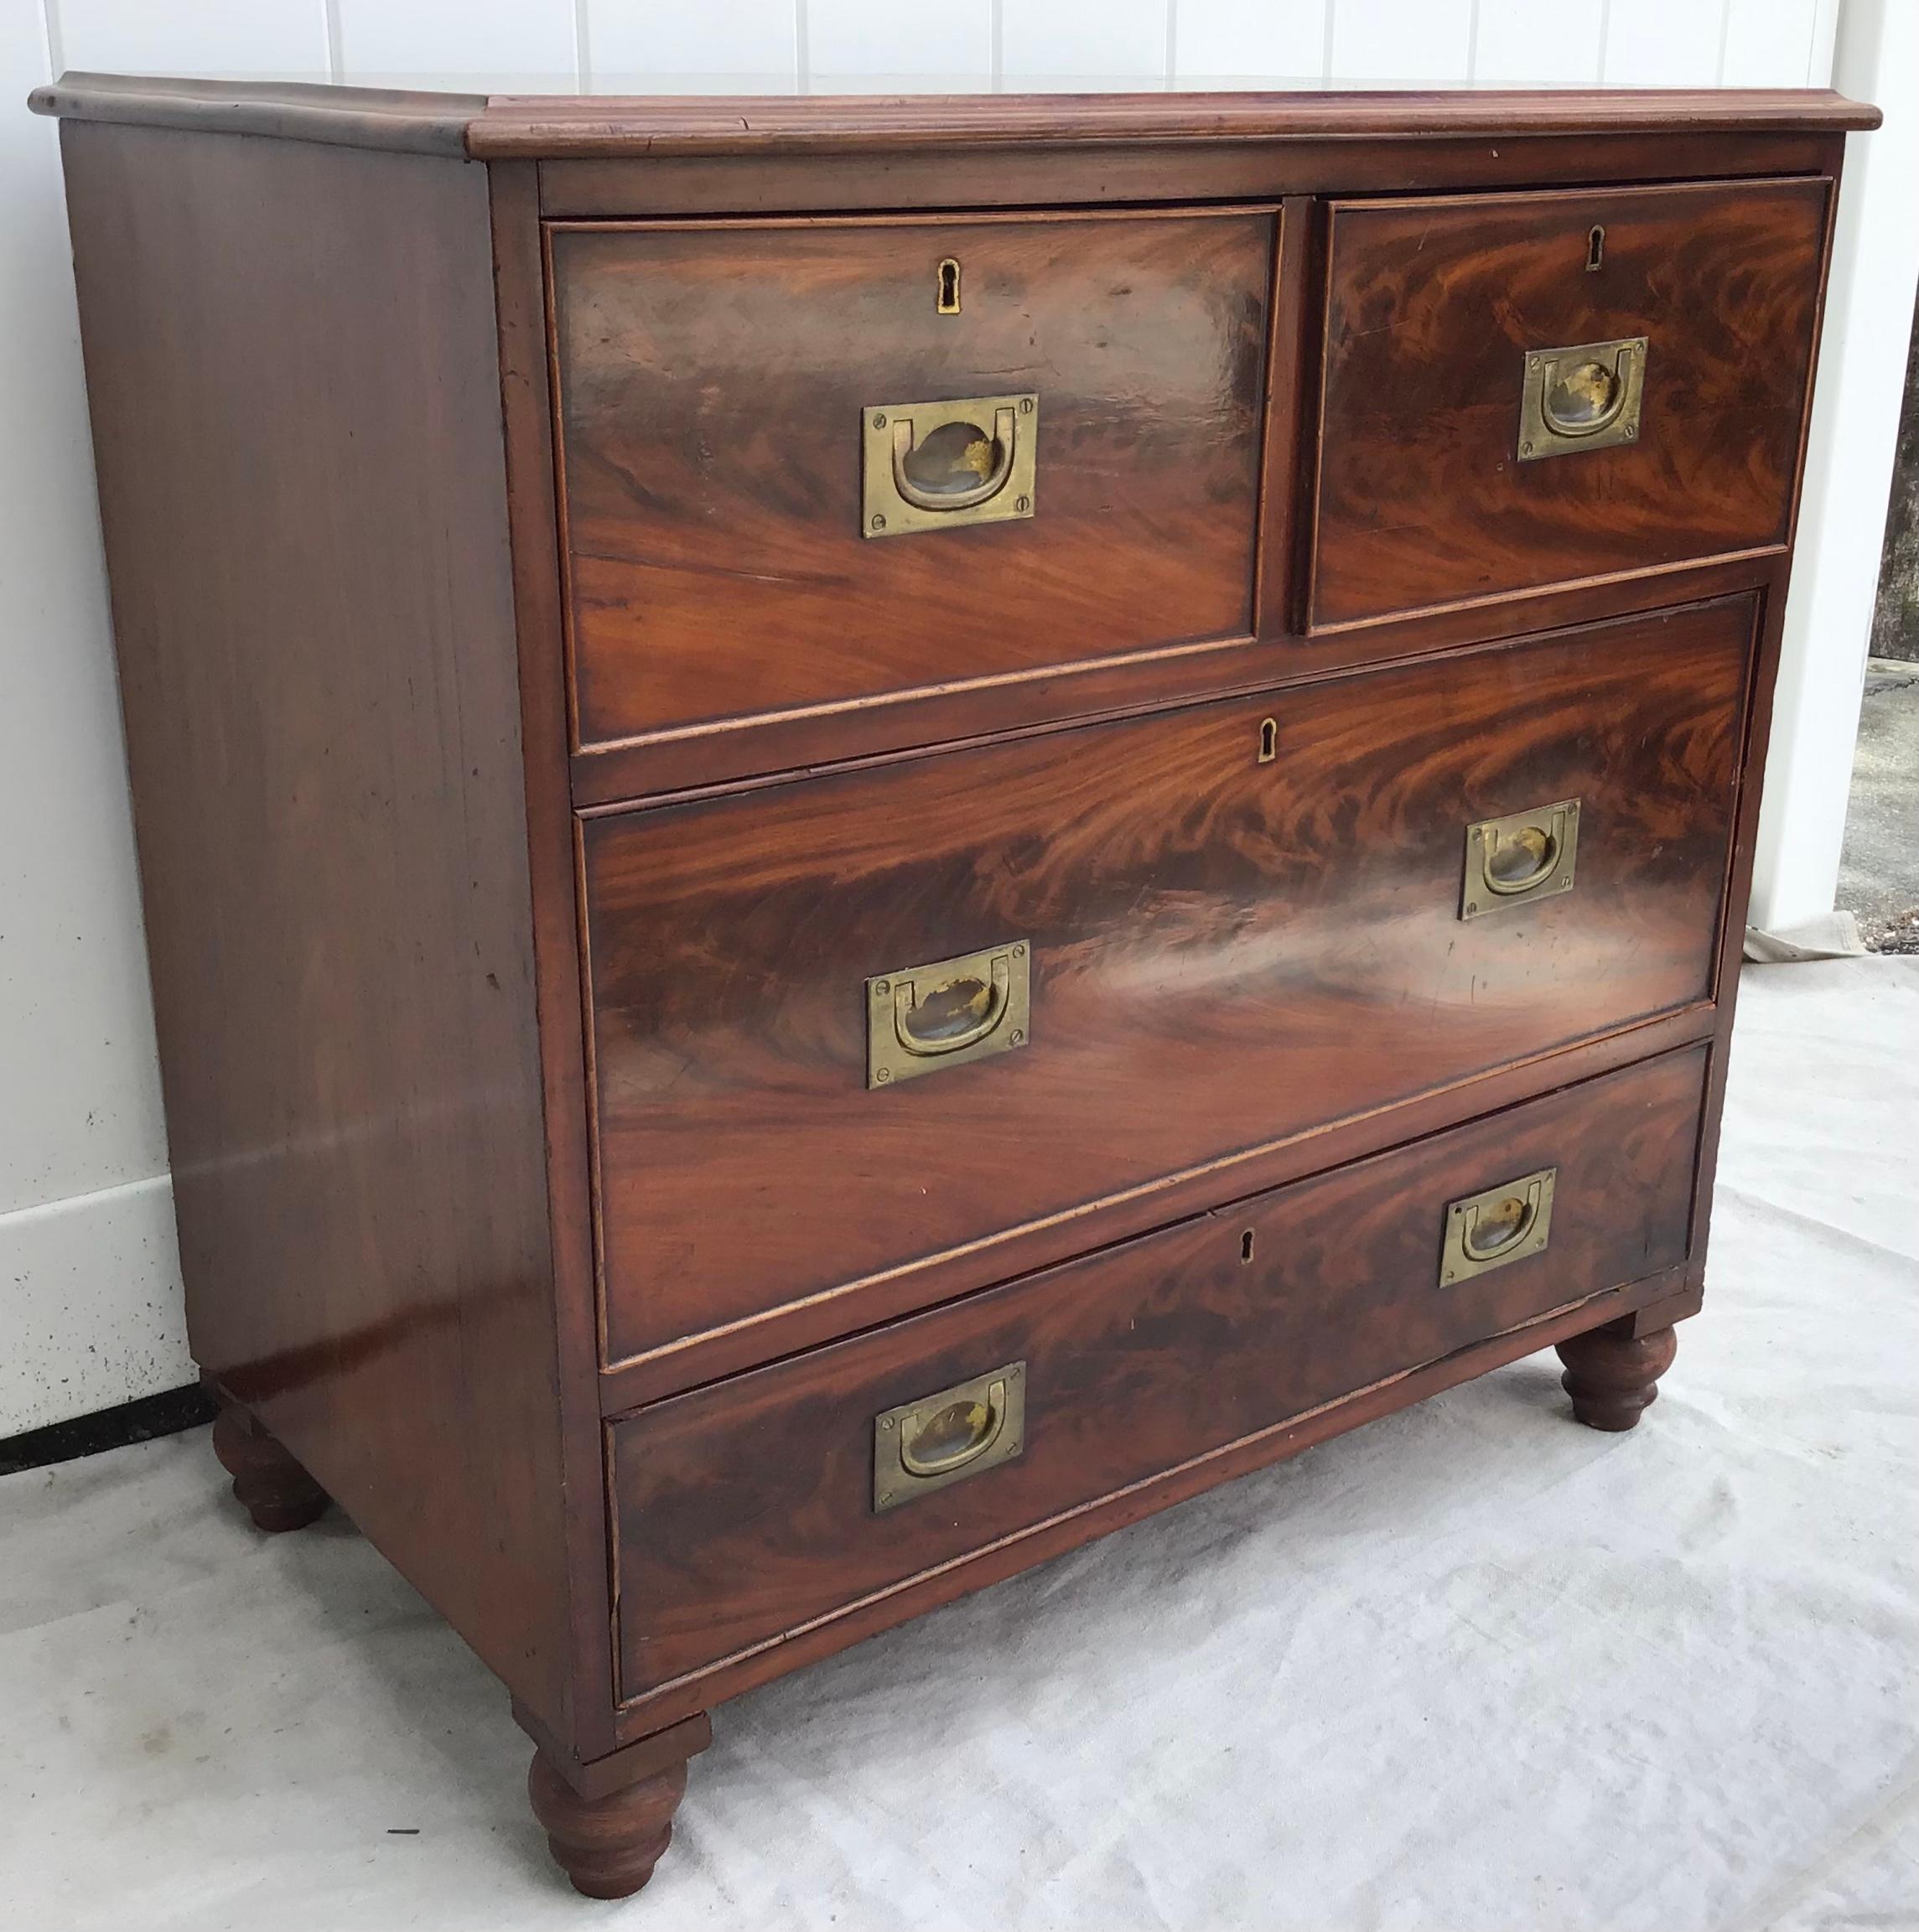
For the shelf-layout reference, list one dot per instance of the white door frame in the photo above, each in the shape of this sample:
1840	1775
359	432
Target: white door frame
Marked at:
1849	473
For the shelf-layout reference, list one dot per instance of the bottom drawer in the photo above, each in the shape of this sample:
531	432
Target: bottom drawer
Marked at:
769	1501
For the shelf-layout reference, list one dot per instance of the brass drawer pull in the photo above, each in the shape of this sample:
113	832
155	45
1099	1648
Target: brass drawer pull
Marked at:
924	1018
1525	855
923	1446
1587	398
1505	1223
934	465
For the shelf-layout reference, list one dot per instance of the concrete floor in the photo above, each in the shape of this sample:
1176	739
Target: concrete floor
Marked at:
1879	868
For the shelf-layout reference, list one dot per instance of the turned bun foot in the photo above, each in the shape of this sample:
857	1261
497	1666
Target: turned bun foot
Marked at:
1613	1374
273	1490
607	1846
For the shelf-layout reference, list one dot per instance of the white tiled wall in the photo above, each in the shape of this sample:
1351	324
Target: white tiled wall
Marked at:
89	1297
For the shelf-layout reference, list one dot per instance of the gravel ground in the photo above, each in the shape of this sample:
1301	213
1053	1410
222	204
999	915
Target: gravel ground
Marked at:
1879	868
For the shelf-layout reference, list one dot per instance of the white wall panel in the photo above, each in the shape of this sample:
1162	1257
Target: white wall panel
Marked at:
1520	44
246	39
717	47
867	47
1662	43
503	46
1770	43
1403	43
1250	42
1051	44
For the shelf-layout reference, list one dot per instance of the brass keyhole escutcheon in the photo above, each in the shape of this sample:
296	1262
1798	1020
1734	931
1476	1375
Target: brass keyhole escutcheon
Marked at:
1595	249
948	299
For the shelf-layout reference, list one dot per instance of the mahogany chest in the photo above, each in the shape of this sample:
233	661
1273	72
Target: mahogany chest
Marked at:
876	832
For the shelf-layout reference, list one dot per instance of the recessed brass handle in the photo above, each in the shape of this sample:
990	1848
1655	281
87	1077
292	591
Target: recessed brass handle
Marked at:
1525	855
972	452
920	1447
923	1018
1502	1224
943	1014
1589	396
942	465
952	1436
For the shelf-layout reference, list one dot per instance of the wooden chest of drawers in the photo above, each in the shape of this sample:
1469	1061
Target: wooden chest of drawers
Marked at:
874	833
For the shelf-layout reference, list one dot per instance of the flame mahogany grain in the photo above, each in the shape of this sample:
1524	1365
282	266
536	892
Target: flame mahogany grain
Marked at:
1223	952
712	383
1431	306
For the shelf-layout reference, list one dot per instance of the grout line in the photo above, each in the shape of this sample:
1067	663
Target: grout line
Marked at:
335	56
582	47
50	31
803	64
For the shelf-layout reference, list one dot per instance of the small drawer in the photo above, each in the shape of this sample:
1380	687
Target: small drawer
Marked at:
761	1504
809	464
1526	390
847	1025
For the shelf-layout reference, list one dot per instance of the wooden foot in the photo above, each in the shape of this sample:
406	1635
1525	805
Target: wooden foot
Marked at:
1613	1374
607	1845
275	1491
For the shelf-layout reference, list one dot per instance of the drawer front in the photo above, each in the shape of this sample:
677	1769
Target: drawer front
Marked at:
1432	489
748	1508
1228	924
718	389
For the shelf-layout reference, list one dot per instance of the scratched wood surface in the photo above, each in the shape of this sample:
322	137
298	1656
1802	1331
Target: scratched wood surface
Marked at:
1431	308
745	1508
712	388
1223	952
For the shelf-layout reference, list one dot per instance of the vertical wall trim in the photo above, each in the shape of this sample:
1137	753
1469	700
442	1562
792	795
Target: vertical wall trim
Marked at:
582	46
1173	44
803	51
1822	50
999	30
335	56
50	35
1327	49
1725	35
1472	45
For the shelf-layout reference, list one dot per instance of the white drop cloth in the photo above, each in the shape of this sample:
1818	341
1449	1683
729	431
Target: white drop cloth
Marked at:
1473	1668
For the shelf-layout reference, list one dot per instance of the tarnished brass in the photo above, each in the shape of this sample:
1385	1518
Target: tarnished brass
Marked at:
972	1427
1525	855
924	1018
1505	1223
1586	397
938	465
946	299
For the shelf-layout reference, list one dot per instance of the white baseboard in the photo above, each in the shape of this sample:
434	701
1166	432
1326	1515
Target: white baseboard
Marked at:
90	1309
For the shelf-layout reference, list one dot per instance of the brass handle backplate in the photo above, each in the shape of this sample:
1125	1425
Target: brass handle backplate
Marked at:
939	465
1525	855
924	1018
972	1427
1588	397
1501	1225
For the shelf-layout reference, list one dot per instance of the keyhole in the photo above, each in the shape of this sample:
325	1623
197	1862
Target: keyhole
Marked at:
1595	249
1268	740
949	302
1246	1245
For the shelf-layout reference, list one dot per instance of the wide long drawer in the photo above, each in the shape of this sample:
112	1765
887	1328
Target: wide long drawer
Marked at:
1529	389
762	1504
1195	933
